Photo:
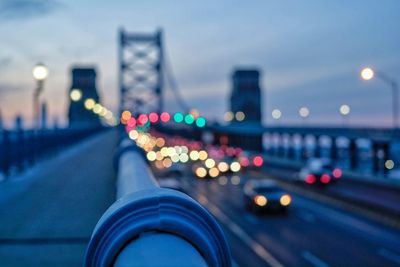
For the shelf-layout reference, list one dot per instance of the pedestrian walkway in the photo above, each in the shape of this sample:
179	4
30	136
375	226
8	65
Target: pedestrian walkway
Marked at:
48	213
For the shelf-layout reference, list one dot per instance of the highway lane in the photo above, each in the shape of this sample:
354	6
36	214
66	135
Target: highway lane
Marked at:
382	197
312	234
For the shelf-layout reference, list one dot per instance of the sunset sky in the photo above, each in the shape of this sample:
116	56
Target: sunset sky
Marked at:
310	52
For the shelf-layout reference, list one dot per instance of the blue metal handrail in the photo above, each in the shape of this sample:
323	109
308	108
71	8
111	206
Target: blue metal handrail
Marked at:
20	148
153	226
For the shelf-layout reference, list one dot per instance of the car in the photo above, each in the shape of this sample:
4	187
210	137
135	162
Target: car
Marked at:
319	171
171	183
265	195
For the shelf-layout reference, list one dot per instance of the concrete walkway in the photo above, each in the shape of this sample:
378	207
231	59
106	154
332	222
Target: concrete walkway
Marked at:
48	213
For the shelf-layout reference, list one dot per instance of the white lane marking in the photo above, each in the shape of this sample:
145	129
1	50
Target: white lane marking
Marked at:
306	216
389	255
314	260
257	248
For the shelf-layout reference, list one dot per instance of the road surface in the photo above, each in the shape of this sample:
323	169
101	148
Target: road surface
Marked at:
48	213
311	234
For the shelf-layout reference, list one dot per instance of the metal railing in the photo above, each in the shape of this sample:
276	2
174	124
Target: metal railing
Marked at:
22	148
153	226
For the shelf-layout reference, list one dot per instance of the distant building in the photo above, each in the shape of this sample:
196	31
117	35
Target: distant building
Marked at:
83	87
245	105
246	94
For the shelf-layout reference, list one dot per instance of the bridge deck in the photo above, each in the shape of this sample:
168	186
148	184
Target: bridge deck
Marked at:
47	214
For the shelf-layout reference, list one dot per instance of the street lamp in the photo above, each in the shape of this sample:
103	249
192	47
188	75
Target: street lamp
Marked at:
368	74
75	95
40	73
228	117
276	114
240	116
344	111
304	112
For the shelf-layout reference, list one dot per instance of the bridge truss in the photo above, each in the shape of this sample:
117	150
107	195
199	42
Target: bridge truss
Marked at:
140	72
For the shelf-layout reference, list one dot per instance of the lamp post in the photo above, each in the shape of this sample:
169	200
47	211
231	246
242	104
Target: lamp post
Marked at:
344	110
368	74
276	114
304	112
40	73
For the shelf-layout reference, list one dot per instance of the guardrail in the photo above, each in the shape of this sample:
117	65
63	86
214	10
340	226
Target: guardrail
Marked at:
22	148
153	226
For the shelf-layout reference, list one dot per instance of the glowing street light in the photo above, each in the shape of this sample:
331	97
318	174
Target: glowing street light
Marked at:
228	116
368	74
389	164
40	74
89	103
240	116
76	95
276	114
304	112
344	110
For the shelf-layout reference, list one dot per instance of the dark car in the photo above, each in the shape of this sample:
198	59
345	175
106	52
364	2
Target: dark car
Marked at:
319	171
265	195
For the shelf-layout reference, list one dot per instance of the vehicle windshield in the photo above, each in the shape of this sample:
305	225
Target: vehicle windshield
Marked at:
265	190
319	165
327	167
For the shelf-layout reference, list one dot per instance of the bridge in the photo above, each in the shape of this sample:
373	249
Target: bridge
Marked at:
100	194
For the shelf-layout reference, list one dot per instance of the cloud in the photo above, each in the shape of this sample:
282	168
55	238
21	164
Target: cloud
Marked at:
24	9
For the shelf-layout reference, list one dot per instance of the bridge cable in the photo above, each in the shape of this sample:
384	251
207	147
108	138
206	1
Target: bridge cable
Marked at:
170	78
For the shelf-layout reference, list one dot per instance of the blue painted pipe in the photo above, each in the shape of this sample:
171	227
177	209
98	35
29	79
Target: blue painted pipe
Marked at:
153	226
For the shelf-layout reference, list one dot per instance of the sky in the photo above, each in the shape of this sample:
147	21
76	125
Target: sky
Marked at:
310	53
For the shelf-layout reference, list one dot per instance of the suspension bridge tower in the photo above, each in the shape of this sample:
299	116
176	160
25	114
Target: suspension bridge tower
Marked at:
140	72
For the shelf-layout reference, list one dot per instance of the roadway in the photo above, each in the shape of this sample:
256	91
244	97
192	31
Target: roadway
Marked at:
311	234
48	213
380	201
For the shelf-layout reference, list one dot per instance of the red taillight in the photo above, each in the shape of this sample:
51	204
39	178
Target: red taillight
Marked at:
258	161
244	162
325	178
131	122
153	117
142	119
337	173
310	179
165	117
